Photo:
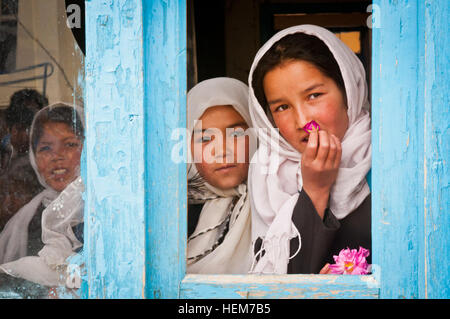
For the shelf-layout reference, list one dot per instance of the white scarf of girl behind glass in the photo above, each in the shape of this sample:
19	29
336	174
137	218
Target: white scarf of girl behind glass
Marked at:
274	195
233	255
63	210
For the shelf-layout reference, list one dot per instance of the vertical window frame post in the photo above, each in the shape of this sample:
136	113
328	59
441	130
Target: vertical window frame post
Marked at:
114	163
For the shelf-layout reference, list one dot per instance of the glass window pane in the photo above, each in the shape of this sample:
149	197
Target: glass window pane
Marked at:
41	141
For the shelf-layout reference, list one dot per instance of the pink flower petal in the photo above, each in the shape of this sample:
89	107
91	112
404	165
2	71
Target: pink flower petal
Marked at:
311	126
351	261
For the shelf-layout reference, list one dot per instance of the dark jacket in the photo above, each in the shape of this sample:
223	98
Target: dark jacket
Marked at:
321	239
194	211
35	243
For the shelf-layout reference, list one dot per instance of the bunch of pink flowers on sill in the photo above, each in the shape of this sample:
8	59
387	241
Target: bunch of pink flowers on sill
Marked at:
350	262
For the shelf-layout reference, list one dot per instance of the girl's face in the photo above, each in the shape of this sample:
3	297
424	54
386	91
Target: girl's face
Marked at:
58	155
297	93
220	148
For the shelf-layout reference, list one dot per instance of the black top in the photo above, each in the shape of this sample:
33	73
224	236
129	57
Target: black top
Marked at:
35	243
12	287
194	211
321	239
78	231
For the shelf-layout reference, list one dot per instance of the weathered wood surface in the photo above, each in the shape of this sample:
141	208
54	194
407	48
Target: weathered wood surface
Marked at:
286	286
166	180
410	125
115	198
434	278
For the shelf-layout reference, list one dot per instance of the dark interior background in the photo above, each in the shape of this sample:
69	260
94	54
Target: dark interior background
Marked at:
228	33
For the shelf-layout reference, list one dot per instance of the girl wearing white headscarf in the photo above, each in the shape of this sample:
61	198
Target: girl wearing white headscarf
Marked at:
37	241
292	231
219	236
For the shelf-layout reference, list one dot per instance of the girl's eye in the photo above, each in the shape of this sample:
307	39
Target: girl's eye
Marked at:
44	149
281	108
314	96
202	138
237	133
72	144
205	139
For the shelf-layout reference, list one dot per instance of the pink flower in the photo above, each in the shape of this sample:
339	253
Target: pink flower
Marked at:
351	262
311	126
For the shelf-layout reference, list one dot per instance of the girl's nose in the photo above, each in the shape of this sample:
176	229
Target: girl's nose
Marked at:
224	152
58	153
301	118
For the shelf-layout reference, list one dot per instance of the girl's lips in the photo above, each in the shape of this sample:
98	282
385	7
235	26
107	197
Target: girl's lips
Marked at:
59	171
225	168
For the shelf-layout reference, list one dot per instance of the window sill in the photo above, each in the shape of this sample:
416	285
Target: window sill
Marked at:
280	286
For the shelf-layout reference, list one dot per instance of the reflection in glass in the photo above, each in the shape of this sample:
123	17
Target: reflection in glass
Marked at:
41	216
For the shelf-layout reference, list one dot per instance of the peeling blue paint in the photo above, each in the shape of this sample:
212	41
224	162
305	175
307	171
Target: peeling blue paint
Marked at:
165	97
410	213
128	12
281	286
114	208
104	31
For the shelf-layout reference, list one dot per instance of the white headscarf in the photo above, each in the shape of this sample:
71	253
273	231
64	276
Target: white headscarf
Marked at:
233	255
274	195
63	210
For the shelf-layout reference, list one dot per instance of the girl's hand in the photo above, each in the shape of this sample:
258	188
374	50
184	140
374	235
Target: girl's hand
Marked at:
325	270
320	165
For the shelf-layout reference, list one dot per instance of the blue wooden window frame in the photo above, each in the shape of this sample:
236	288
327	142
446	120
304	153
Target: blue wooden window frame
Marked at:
136	198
